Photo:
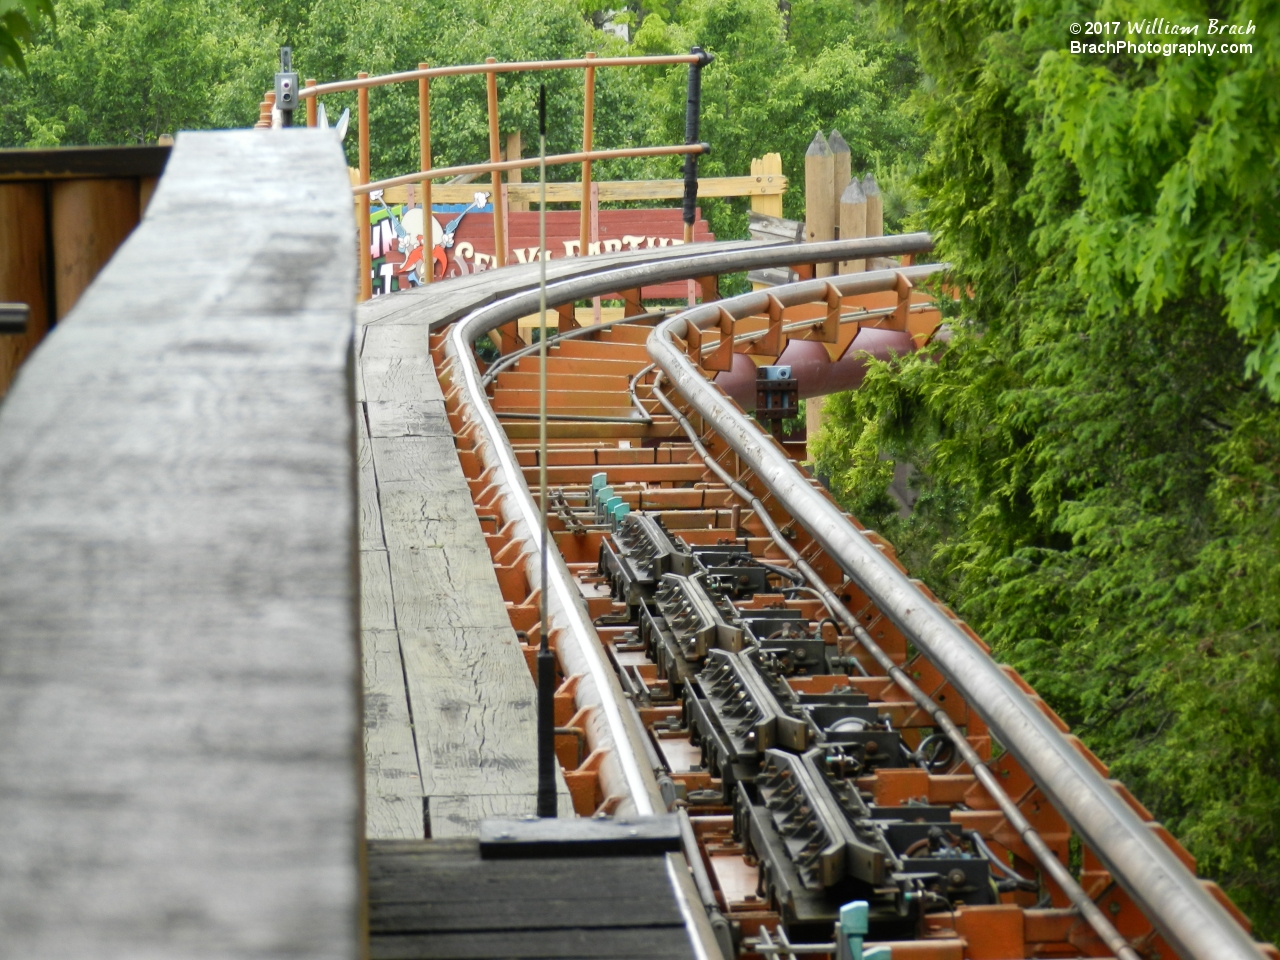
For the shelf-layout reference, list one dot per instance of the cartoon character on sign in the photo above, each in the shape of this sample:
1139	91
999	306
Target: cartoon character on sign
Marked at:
440	258
396	245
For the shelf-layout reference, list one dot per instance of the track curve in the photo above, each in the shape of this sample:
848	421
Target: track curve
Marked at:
644	712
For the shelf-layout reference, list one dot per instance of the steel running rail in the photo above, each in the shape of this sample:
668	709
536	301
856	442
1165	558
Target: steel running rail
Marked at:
1195	924
624	768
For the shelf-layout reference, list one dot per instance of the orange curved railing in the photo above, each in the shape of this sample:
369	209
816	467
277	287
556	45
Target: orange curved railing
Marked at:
496	165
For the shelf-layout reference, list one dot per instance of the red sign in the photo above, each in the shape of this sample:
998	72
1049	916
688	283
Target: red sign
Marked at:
472	248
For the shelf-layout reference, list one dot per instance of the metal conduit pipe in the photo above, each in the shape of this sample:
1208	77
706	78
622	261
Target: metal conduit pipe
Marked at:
623	772
1188	917
1096	919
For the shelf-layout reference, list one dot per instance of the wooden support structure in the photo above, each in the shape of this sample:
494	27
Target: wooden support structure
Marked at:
875	206
761	189
819	200
313	106
853	222
179	769
841	165
766	171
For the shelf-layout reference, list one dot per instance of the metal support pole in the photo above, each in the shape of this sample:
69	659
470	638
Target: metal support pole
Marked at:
286	87
424	158
546	659
588	135
692	112
495	156
362	214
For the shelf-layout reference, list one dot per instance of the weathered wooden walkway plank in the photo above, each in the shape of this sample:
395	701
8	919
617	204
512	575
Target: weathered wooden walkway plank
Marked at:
179	649
394	807
468	686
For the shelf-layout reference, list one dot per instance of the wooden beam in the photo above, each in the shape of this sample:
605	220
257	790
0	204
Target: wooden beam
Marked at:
179	767
610	190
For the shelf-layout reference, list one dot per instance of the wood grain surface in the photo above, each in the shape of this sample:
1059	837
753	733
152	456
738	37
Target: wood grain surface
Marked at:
440	899
24	270
179	764
465	682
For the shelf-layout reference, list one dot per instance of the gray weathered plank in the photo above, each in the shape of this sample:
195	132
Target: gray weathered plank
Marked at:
178	657
367	483
445	586
408	418
419	460
425	516
393	787
400	378
377	608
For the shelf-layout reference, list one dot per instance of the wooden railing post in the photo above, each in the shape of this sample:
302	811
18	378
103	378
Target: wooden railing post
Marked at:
588	131
495	156
312	106
424	158
366	254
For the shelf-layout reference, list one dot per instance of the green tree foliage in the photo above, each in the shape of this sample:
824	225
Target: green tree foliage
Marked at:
114	71
381	36
769	89
1096	447
18	22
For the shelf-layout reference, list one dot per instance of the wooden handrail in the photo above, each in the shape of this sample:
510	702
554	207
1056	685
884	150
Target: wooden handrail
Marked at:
559	158
339	86
490	68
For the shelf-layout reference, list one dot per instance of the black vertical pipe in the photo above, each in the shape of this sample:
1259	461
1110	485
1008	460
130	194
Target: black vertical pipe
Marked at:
546	659
546	731
692	112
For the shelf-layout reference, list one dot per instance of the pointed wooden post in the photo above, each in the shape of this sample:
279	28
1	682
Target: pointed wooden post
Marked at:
853	222
819	199
842	166
875	206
